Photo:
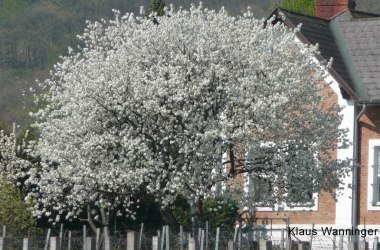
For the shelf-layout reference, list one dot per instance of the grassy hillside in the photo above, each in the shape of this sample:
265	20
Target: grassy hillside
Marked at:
33	33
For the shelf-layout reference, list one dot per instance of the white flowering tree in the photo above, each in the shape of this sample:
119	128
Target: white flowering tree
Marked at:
178	106
14	168
14	152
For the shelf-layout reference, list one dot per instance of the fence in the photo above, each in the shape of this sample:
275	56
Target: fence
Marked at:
201	239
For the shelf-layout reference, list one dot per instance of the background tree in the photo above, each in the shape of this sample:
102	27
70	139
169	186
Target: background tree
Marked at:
157	6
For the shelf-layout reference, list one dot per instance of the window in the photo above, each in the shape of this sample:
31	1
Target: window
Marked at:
260	189
376	176
278	185
373	191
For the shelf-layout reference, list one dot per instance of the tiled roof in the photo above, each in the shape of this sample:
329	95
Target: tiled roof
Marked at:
353	40
317	30
362	36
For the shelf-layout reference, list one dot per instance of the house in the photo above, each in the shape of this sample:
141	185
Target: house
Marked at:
352	39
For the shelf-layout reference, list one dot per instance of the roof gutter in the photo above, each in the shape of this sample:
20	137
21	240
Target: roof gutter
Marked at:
355	170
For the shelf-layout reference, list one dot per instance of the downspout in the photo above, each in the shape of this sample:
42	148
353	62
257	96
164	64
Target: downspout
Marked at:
356	166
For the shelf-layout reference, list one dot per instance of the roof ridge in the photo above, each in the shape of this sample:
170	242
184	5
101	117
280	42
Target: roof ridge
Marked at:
304	15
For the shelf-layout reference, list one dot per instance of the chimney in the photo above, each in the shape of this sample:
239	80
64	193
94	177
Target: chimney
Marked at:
329	8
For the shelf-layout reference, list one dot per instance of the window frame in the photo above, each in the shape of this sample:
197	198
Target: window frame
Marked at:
373	174
251	184
312	206
284	206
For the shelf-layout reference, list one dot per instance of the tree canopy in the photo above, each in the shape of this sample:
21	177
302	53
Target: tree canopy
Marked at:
201	100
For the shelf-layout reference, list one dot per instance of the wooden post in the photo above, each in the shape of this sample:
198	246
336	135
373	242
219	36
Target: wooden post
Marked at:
312	236
97	239
376	243
47	239
90	243
141	235
232	245
4	240
84	237
206	235
282	244
26	244
132	240
202	239
265	244
162	238
289	244
167	242
303	245
60	236
156	243
107	242
193	244
3	243
351	245
334	242
69	241
217	239
235	234
180	237
54	243
341	242
363	245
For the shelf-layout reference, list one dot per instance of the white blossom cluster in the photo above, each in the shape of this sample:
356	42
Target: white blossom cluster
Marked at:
13	156
155	104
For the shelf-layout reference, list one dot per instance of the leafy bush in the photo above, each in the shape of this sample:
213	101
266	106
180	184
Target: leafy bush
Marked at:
14	211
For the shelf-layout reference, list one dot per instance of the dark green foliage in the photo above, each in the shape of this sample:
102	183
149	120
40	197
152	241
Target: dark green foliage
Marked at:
219	212
14	211
181	210
157	6
4	127
306	7
147	212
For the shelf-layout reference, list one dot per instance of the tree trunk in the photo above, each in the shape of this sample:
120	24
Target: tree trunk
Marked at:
104	216
104	219
169	219
196	214
90	220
